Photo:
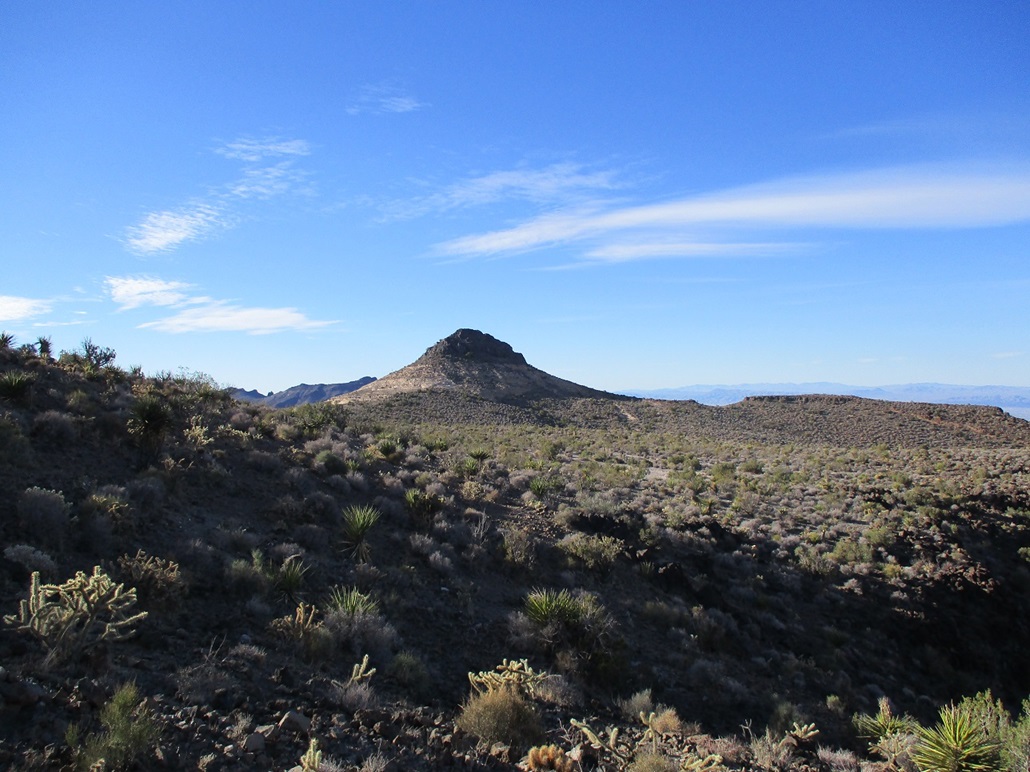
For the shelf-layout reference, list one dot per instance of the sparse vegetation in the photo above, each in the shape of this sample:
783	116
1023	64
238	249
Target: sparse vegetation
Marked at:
677	575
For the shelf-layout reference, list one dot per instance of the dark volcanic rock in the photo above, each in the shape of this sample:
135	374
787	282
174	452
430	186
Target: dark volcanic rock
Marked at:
475	346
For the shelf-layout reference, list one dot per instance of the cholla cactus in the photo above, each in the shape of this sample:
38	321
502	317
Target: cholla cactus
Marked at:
544	757
75	616
514	674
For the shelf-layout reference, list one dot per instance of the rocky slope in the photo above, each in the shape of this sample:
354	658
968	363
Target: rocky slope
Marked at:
478	365
775	561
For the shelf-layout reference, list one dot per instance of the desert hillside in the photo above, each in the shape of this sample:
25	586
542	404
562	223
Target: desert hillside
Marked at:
477	561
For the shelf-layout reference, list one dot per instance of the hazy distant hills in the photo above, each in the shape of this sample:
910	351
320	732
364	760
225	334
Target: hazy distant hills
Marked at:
1013	399
302	393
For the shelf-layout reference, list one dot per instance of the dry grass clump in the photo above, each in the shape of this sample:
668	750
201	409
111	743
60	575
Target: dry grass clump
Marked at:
501	716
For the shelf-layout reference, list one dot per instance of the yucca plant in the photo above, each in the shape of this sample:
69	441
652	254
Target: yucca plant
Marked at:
549	607
150	418
289	578
469	467
956	744
352	601
14	386
6	341
357	522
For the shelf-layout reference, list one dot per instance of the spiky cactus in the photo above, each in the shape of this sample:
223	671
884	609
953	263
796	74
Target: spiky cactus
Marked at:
75	616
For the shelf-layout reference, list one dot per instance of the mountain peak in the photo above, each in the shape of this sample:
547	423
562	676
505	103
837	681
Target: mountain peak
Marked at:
474	346
473	363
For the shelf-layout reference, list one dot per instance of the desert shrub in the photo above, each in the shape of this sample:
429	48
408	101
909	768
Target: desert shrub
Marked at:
147	493
838	760
315	418
249	577
55	426
639	702
519	548
43	514
596	553
1015	748
79	614
157	581
129	731
357	631
501	716
31	559
409	671
329	463
652	762
304	630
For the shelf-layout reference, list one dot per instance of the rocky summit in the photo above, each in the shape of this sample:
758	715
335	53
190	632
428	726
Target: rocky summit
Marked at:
475	364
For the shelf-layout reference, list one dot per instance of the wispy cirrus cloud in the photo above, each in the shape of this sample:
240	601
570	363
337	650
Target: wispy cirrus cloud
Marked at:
15	309
559	183
268	171
252	150
908	198
381	98
166	230
199	313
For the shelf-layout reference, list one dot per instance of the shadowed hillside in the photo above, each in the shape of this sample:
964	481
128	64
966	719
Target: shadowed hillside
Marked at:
725	586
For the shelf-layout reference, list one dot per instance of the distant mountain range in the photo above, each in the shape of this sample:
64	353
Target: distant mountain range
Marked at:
474	362
302	393
1014	400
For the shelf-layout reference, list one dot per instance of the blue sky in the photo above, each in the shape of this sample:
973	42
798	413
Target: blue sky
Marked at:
633	195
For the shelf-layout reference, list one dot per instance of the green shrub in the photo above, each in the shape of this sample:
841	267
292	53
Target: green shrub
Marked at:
596	553
130	731
331	463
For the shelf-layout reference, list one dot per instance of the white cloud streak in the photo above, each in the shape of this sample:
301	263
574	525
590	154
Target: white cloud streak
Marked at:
16	309
222	316
383	98
198	313
922	197
557	183
252	150
167	230
135	291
